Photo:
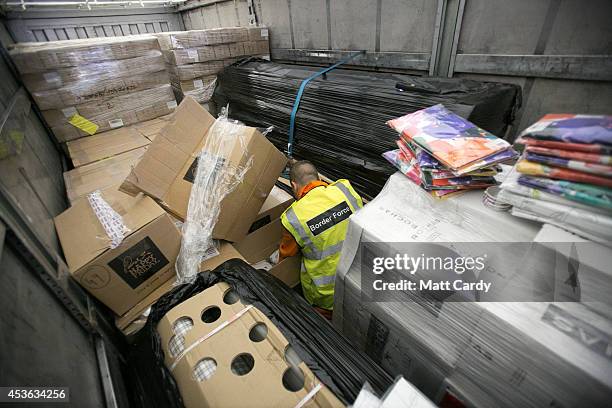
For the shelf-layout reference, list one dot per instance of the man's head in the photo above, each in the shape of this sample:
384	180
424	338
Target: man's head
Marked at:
302	172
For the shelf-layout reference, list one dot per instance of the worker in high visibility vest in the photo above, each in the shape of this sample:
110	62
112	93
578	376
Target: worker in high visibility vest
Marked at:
316	224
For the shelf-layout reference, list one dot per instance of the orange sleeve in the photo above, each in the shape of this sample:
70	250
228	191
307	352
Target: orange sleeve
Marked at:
288	246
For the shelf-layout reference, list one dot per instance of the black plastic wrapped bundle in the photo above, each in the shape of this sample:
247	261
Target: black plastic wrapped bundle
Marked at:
329	355
341	123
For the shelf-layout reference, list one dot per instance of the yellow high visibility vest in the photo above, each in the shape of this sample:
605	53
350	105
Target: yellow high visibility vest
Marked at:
318	222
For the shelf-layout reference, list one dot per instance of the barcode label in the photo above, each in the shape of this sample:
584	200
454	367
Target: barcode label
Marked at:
264	33
171	104
198	83
51	76
193	54
115	123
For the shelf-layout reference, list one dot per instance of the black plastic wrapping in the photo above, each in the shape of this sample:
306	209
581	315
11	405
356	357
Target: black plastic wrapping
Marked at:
341	367
341	123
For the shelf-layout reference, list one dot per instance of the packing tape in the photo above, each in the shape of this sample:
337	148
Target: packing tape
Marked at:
310	395
83	124
209	335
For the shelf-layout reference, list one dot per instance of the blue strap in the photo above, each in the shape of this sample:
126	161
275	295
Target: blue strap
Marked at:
298	97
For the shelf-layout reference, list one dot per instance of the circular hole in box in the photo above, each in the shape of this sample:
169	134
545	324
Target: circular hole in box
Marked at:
258	333
242	364
204	369
293	379
230	297
291	357
211	314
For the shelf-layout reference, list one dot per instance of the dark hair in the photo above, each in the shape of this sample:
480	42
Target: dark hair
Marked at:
303	172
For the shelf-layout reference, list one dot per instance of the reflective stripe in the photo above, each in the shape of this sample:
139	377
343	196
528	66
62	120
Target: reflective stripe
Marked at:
297	226
324	280
349	197
329	251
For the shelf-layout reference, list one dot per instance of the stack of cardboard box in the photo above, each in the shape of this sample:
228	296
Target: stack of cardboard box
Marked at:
155	157
85	87
195	57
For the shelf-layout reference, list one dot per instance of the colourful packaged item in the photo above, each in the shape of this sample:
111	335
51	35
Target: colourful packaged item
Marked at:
452	140
592	168
580	147
542	170
581	193
572	128
567	154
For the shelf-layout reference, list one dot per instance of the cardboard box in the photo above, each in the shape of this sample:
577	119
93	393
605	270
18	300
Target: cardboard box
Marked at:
160	101
126	322
164	171
258	34
276	203
152	61
114	106
43	56
243	363
198	38
260	244
88	91
236	49
199	54
108	144
151	128
195	84
122	276
100	175
537	354
193	71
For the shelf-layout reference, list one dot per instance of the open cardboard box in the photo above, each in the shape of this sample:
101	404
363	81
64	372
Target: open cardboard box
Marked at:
119	277
223	353
166	170
260	244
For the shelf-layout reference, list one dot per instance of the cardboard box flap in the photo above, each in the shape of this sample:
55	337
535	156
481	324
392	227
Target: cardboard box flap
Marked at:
276	197
83	237
93	148
169	151
260	244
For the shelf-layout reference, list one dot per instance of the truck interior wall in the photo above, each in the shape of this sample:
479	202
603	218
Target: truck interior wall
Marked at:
50	25
452	38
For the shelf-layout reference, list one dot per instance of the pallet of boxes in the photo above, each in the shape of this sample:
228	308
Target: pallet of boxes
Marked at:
195	57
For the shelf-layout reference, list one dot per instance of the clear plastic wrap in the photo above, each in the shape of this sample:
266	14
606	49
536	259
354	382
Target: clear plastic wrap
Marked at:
216	176
198	38
44	56
100	89
192	71
200	89
485	354
130	109
151	61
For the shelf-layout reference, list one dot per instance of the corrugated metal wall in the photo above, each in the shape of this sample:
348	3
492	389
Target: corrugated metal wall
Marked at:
50	25
559	51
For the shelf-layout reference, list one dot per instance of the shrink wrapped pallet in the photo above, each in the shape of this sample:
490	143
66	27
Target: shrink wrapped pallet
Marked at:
198	38
84	87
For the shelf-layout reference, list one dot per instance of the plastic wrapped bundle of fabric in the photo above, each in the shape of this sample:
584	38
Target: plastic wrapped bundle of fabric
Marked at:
328	354
341	122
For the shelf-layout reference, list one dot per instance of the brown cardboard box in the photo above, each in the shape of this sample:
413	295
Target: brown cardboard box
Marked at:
276	203
122	276
236	49
159	101
43	56
100	175
197	38
164	171
108	144
195	84
258	33
192	71
260	244
152	61
250	362
151	128
88	91
126	324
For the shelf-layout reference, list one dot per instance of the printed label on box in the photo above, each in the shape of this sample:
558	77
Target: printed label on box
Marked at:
115	123
85	125
139	262
52	77
198	83
193	54
264	33
171	104
69	112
